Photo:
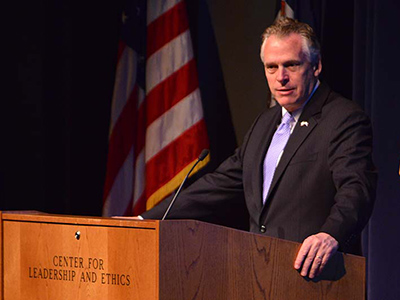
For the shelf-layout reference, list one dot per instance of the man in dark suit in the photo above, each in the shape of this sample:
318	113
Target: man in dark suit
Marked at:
304	172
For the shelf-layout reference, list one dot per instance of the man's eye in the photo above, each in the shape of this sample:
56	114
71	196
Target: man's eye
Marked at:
271	69
293	67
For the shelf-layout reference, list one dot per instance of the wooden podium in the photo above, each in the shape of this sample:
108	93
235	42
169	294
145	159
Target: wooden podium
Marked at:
68	257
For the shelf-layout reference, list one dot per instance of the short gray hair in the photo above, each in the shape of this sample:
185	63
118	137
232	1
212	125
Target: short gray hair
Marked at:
284	27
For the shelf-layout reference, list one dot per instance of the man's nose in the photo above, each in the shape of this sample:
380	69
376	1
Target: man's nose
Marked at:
282	76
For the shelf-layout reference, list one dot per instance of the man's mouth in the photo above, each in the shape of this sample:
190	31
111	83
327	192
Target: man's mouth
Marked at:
285	91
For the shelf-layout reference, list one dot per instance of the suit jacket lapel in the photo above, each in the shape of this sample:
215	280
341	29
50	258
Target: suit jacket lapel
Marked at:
310	115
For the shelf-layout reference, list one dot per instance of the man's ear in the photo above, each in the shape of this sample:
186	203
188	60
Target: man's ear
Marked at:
318	68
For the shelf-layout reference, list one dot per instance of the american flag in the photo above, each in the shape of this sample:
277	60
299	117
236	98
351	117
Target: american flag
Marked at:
157	129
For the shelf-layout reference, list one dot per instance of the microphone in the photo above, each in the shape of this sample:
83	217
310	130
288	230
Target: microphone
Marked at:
201	157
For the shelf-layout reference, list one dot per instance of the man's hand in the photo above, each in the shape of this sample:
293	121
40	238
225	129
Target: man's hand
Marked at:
315	253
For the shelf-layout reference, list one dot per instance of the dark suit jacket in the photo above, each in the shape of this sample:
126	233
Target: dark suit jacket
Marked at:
324	182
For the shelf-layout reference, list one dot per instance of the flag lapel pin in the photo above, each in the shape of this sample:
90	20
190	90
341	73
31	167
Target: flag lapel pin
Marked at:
304	123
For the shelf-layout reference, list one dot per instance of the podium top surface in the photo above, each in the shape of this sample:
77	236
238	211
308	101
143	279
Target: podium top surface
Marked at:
35	216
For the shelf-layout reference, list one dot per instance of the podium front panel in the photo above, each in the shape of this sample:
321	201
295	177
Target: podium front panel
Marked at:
53	257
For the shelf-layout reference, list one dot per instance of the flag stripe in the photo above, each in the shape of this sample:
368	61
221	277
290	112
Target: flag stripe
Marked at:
170	29
171	91
140	133
176	53
121	141
163	167
122	188
121	49
125	80
139	206
171	124
170	186
158	8
140	171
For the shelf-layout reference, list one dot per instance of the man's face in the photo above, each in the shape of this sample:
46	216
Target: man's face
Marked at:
290	75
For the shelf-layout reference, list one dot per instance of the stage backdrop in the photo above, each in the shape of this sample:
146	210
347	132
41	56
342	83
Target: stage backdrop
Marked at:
55	124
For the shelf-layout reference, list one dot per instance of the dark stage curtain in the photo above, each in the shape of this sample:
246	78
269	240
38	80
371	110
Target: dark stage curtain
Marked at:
55	126
375	86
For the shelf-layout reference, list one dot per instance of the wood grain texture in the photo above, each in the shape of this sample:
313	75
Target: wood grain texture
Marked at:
165	260
112	259
203	261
